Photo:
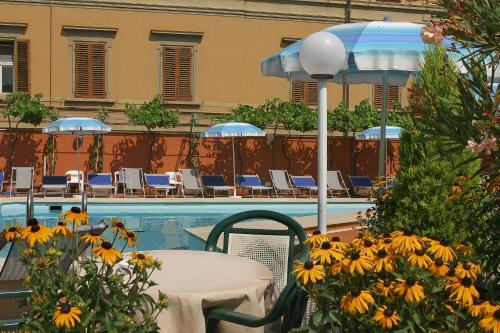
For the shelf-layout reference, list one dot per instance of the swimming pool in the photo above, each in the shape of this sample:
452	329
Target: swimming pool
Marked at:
161	225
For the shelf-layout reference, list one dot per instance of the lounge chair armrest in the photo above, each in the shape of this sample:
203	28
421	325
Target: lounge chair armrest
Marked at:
235	317
6	294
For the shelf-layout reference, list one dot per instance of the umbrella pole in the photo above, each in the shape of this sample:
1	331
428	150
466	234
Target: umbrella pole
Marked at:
234	169
78	162
383	127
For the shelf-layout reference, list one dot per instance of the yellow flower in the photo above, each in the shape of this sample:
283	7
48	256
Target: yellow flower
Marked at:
386	243
356	263
489	307
442	250
75	216
12	233
469	269
406	241
356	301
419	258
337	244
309	272
316	239
368	247
476	309
130	238
463	291
325	253
61	229
140	259
410	289
491	322
66	316
383	261
384	287
386	318
107	253
464	247
93	238
36	234
39	299
439	268
118	225
336	268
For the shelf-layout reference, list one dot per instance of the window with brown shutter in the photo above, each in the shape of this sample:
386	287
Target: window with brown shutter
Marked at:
392	96
22	68
177	73
90	70
305	92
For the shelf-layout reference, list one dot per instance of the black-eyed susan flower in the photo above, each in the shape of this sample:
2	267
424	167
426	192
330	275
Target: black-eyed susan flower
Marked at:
410	289
406	241
309	272
357	263
418	258
12	233
442	250
468	269
464	247
337	244
489	307
93	238
384	287
356	301
491	322
476	309
463	291
386	318
383	261
118	226
61	229
74	216
108	254
140	259
368	247
325	253
336	268
385	243
316	239
67	316
439	268
362	237
129	237
36	234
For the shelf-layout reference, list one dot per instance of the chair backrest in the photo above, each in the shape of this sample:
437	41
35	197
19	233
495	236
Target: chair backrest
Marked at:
73	175
280	179
172	176
249	180
156	179
23	177
13	268
213	180
54	180
334	180
273	247
100	179
303	181
360	181
132	178
190	179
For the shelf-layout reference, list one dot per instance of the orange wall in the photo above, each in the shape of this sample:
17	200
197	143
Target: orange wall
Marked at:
296	154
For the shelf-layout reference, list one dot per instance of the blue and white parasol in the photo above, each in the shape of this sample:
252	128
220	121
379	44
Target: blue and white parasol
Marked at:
392	133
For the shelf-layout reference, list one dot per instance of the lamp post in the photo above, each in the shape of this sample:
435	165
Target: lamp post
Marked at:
322	55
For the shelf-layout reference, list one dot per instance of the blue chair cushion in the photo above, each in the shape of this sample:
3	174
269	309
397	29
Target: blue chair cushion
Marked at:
217	180
95	179
304	181
249	181
361	181
54	180
157	180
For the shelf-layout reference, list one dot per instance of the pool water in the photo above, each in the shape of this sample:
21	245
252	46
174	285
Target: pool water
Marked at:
161	225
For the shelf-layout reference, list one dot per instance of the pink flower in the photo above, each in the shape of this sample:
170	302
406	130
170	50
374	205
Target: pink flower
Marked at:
432	33
487	145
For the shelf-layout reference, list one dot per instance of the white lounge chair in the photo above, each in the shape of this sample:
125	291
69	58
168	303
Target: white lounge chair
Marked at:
21	178
336	183
281	182
190	182
133	181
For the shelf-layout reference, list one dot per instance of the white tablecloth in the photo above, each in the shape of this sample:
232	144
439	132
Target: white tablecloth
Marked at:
194	280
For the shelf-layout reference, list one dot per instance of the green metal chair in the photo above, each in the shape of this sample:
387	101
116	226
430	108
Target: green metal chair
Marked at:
277	248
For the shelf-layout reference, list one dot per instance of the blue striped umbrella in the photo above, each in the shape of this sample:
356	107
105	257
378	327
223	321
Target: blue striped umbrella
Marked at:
232	130
392	132
77	126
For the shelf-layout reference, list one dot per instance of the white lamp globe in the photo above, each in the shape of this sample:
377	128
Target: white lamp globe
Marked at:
322	54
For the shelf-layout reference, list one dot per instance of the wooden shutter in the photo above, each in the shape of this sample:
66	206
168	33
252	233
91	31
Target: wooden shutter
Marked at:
177	73
90	70
22	68
392	95
305	92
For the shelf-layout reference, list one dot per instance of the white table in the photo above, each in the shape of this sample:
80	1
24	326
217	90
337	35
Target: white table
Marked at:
194	280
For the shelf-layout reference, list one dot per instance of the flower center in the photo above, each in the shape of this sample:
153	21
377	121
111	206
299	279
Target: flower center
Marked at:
65	308
326	246
94	233
387	284
368	243
387	240
444	243
439	262
467	266
451	273
35	228
410	282
408	232
60	223
496	314
76	210
12	229
466	282
141	256
335	239
356	292
316	232
388	313
355	256
120	225
420	252
106	245
382	253
32	222
308	265
130	234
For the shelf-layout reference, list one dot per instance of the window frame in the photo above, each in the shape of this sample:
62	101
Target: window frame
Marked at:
161	75
389	102
306	92
13	64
